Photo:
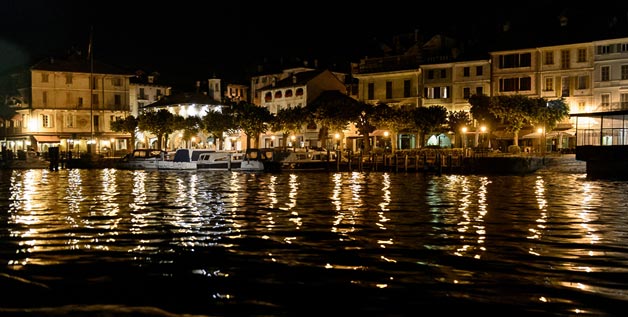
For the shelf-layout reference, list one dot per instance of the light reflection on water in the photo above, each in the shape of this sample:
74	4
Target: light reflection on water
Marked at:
300	243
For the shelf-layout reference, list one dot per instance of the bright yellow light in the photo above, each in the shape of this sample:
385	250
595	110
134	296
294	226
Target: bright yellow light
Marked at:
386	133
293	138
539	130
272	137
337	136
483	128
464	129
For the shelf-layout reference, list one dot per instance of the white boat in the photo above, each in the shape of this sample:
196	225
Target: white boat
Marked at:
228	161
184	159
308	160
141	159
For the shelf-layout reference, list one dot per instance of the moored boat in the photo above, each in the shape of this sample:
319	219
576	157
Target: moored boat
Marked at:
184	159
141	159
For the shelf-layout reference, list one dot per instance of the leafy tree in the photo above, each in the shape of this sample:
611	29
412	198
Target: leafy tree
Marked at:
395	120
457	120
429	120
126	125
252	120
216	124
364	123
290	121
159	123
334	111
191	126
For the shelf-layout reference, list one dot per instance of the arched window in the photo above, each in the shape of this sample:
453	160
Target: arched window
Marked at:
268	97
278	94
288	93
299	91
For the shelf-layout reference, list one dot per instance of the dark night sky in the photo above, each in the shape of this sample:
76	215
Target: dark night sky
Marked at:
191	40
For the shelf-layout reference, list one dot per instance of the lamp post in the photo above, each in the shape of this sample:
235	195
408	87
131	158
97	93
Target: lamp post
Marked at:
464	137
483	130
541	139
386	136
337	137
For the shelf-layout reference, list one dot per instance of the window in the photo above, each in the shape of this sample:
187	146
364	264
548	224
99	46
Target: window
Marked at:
299	92
68	79
95	99
604	49
466	72
288	93
80	102
582	55
549	58
606	100
44	98
389	90
583	82
94	83
565	87
371	91
116	82
623	98
158	92
581	106
407	87
268	97
443	73
479	91
466	92
564	59
278	94
69	121
142	94
549	84
44	78
46	121
436	92
479	70
117	100
515	84
605	73
624	71
430	74
515	60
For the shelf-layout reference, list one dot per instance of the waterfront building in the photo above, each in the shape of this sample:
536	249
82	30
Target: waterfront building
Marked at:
67	103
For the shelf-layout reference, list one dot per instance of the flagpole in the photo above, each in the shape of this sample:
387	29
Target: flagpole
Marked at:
90	54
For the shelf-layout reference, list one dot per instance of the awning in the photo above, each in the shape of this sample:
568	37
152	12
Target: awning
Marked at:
46	138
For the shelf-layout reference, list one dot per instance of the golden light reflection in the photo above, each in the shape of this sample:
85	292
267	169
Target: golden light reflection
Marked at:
383	206
471	213
344	220
537	232
272	192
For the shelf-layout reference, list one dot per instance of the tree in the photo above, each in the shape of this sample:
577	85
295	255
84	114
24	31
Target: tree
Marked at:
126	125
364	124
395	120
429	120
290	121
159	123
457	120
333	111
252	120
216	124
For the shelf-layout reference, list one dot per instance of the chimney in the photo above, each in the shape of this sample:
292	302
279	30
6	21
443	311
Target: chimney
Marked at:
294	79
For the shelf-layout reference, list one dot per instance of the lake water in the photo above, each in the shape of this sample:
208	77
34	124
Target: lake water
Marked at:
127	243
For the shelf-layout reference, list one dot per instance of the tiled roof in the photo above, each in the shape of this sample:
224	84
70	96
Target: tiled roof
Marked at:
77	64
183	98
298	79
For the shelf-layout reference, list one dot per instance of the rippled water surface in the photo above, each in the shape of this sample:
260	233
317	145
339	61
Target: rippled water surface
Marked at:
229	243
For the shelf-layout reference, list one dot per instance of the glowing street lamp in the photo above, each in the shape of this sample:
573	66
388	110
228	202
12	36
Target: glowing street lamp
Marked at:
464	136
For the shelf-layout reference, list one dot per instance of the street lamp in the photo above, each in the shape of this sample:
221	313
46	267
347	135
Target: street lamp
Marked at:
464	137
386	135
337	137
541	145
483	130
